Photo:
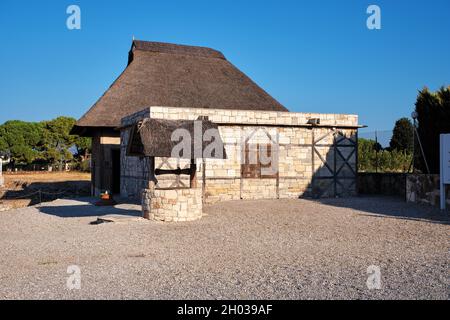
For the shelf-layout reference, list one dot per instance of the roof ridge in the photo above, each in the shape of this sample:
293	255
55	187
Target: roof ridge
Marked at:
172	48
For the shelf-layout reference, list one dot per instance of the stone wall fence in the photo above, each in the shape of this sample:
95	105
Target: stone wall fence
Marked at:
390	184
416	188
425	189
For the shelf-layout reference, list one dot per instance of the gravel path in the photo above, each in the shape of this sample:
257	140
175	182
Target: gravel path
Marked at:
273	249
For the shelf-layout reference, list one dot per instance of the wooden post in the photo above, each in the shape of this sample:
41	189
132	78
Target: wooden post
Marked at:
313	172
335	151
193	174
277	150
147	194
204	179
152	181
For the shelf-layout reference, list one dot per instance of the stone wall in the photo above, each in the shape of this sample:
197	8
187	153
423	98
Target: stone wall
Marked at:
242	117
172	205
299	168
134	174
391	184
425	189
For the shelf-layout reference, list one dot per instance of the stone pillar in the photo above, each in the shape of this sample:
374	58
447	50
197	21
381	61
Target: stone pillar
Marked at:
172	205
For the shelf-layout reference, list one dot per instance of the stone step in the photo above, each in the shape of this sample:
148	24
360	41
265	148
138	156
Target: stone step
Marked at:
117	218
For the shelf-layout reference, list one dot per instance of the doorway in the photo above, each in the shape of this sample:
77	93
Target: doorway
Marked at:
115	179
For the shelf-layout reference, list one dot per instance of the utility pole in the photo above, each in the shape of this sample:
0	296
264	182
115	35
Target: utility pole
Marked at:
376	152
415	116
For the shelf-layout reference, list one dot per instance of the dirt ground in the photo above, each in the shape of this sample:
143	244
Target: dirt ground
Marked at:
20	189
44	176
268	249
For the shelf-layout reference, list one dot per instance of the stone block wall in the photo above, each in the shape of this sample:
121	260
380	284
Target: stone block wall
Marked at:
391	184
425	189
222	190
259	189
298	165
134	171
172	205
242	117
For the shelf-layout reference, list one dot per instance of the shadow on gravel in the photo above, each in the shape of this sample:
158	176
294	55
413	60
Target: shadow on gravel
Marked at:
391	208
76	208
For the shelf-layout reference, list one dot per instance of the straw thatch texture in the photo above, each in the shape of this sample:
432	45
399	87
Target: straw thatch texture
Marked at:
160	74
153	138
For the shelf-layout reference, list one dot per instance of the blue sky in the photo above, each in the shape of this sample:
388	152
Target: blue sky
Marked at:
312	56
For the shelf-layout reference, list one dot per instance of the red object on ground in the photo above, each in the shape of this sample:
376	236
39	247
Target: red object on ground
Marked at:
106	202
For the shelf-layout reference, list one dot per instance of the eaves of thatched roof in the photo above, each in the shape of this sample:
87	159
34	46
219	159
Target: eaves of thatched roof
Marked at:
155	138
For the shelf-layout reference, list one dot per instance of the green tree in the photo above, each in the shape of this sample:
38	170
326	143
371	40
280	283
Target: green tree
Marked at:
372	157
367	154
433	109
22	140
48	141
4	147
58	140
83	147
402	137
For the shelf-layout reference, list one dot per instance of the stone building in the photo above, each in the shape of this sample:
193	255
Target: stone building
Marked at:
313	154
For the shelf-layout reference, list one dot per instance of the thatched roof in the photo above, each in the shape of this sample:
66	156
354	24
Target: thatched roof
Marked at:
153	138
161	74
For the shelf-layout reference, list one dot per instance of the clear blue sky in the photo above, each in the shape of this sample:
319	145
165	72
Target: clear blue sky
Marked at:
312	56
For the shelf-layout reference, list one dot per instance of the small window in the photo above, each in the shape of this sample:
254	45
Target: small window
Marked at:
257	157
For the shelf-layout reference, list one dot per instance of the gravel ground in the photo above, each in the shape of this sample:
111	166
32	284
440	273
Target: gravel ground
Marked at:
272	249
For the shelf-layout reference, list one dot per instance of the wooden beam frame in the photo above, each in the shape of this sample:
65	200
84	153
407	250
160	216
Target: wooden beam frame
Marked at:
191	172
336	178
